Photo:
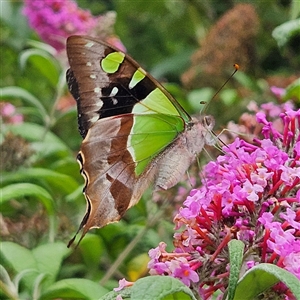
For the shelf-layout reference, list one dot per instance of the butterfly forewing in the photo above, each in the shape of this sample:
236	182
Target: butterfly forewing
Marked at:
102	91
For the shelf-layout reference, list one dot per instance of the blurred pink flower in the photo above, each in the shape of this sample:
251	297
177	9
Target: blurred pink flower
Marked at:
122	284
278	92
8	113
55	20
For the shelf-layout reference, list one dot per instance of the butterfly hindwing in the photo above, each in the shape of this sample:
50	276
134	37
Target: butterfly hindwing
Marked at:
116	163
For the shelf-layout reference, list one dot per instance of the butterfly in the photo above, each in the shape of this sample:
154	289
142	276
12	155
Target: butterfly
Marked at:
134	132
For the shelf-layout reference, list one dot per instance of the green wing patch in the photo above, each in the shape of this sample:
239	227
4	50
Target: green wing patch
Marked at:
112	61
150	135
155	102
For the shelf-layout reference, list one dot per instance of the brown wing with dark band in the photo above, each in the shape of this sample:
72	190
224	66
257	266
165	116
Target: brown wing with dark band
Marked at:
93	88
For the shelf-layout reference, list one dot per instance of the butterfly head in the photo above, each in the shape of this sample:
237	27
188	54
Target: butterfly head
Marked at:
205	125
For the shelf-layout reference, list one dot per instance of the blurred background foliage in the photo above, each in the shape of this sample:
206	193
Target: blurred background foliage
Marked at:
188	45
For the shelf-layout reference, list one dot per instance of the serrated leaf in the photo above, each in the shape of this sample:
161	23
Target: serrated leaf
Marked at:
74	288
236	250
160	288
263	276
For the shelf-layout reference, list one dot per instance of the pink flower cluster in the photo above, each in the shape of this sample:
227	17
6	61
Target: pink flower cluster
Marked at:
173	264
55	20
251	193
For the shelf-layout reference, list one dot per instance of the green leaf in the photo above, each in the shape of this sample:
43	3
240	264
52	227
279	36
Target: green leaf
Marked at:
263	276
228	96
19	190
8	288
37	285
236	250
160	287
45	259
124	293
195	97
154	287
19	259
295	9
246	81
293	91
92	249
67	165
283	33
59	182
48	259
173	64
45	142
70	131
76	194
75	288
43	62
42	46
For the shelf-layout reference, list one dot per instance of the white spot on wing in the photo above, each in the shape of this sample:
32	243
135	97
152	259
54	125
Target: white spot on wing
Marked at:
89	44
131	84
93	76
114	101
89	64
114	92
94	119
97	90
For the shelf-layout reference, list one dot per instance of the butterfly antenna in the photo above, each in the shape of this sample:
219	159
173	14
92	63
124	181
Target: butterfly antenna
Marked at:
236	68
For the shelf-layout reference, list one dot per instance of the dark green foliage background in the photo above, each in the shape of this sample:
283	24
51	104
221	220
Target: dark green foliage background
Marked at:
161	36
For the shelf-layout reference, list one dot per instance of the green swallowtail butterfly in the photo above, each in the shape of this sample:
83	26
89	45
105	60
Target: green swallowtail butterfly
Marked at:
134	132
